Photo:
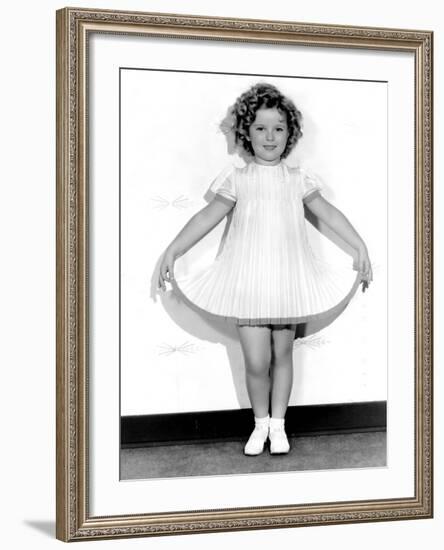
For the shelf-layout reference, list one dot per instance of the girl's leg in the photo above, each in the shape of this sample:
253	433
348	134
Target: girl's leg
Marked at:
256	346
282	339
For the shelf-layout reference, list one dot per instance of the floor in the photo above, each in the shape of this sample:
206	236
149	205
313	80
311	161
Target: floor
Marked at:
321	452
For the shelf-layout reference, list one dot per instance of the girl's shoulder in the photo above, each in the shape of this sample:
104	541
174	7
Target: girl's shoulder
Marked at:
298	169
293	170
296	173
231	171
301	171
234	171
305	179
226	177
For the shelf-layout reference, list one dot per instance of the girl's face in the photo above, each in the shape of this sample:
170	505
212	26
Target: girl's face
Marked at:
268	135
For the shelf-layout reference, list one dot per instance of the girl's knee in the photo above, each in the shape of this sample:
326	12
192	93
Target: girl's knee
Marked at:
256	347
257	365
283	355
282	343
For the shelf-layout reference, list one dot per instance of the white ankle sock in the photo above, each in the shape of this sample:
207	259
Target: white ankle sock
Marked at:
277	423
262	422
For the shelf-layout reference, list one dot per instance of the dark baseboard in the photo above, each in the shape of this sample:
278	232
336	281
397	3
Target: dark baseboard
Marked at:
234	425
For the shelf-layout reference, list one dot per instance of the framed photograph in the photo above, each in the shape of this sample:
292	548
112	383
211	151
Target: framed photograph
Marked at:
244	224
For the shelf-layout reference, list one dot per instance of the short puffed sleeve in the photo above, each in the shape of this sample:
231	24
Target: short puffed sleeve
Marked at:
224	186
311	186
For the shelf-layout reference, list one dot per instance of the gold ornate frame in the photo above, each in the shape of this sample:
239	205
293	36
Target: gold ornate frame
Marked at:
73	519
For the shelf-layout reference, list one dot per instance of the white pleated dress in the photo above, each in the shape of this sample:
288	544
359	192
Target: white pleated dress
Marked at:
265	271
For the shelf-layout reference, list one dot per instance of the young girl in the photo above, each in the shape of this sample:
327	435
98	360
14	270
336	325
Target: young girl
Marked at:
265	278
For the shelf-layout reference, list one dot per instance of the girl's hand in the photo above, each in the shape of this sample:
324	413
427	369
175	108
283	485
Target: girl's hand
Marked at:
166	269
364	267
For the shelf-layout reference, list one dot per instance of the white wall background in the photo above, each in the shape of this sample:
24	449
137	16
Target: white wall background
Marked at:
28	300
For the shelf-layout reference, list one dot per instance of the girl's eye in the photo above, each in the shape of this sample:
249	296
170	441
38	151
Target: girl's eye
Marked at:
261	128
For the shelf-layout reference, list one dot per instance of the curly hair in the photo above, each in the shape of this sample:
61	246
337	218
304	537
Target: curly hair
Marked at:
268	96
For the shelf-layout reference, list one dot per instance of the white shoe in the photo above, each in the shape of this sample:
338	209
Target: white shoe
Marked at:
278	438
256	442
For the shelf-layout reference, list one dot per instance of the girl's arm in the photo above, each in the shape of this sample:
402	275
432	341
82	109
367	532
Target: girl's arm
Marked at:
336	220
194	230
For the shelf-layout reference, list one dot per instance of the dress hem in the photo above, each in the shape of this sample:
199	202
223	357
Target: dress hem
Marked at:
328	314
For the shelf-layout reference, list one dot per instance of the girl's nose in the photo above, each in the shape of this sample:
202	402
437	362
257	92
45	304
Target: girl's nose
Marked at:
269	135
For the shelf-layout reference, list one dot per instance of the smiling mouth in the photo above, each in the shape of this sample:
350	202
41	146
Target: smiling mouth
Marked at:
269	147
